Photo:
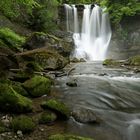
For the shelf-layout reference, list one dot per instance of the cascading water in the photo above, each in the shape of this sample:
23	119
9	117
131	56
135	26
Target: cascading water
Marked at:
93	40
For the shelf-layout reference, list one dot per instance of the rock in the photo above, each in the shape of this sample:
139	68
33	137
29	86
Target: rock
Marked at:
17	86
67	137
51	42
72	83
5	120
82	60
134	61
38	86
47	117
60	108
75	60
85	116
19	134
11	101
22	124
111	62
46	59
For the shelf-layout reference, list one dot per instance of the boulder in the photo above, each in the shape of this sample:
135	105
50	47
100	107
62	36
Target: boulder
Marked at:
85	116
17	86
47	117
59	107
51	42
38	86
22	123
67	137
134	61
46	59
11	101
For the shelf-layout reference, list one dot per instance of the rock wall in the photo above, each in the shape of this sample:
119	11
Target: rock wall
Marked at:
125	40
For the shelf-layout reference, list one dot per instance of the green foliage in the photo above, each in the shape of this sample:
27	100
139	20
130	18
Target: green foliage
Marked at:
7	36
135	60
44	18
23	123
120	8
12	8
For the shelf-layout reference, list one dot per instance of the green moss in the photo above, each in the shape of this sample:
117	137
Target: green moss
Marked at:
38	86
2	128
23	123
34	66
135	60
11	101
67	137
60	108
19	89
10	38
47	117
110	62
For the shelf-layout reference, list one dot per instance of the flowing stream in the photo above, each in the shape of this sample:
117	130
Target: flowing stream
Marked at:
92	38
111	94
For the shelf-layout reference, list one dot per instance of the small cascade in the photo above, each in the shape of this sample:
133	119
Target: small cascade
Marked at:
92	41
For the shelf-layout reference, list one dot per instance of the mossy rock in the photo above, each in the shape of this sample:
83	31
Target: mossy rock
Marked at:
23	123
111	62
135	60
10	38
2	128
60	108
47	117
67	137
11	101
17	86
38	86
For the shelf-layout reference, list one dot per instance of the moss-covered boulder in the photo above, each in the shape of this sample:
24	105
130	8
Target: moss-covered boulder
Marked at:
111	62
40	39
17	86
67	137
134	61
10	38
47	117
38	86
46	59
11	101
59	107
23	123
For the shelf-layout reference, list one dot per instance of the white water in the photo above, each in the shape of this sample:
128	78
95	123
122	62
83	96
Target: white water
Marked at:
93	40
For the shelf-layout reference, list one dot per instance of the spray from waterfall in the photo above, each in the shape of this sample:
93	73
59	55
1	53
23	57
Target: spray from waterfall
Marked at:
92	40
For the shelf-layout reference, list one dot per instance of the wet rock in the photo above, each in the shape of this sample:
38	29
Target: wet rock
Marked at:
111	62
72	83
67	137
22	124
38	86
82	60
85	116
11	101
47	117
59	107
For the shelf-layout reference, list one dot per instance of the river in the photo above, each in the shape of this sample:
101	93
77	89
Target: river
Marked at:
112	94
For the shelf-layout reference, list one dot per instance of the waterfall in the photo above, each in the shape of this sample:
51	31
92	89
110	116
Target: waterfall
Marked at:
92	41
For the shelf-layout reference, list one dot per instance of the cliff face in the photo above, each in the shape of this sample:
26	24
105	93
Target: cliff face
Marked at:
125	40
